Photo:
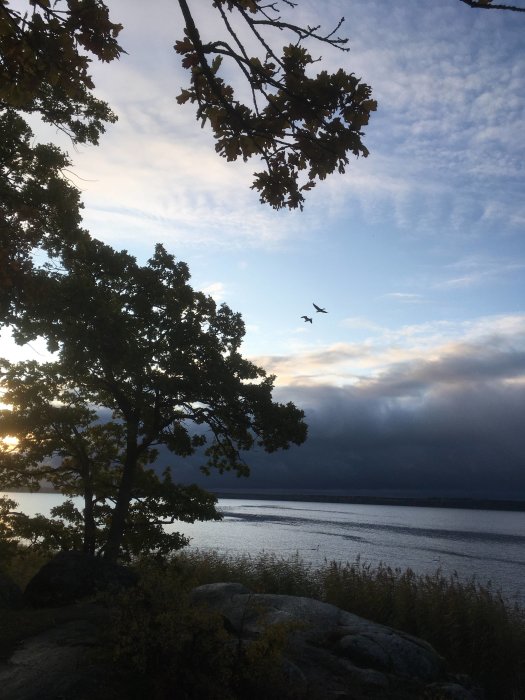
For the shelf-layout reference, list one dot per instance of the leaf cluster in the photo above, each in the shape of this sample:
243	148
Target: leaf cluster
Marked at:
145	529
39	208
301	127
8	535
44	62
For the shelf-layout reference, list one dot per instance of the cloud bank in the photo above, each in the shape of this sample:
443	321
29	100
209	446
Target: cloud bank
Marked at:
448	422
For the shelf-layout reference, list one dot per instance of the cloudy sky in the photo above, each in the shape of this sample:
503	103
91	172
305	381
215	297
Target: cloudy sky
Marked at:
415	379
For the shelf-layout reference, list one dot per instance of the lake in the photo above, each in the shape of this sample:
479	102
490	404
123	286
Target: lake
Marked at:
489	545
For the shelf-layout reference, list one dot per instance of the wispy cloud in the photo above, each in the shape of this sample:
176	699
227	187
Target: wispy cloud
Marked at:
476	270
448	125
405	297
217	291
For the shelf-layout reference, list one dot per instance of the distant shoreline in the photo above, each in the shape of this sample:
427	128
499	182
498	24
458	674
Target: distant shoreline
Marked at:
410	501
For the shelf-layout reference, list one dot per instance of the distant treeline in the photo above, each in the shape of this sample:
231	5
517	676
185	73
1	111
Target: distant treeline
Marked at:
418	501
422	502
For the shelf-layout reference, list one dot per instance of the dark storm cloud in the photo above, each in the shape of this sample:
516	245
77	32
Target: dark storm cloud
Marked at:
465	365
455	424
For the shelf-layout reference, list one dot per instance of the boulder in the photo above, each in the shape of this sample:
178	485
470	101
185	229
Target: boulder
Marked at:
334	653
71	576
10	594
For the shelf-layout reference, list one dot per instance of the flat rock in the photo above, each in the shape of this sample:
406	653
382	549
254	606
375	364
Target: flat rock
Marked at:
48	665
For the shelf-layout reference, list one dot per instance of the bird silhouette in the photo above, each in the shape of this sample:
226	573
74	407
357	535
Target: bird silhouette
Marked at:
307	318
319	309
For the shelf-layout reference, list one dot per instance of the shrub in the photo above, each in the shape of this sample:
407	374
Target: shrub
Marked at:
168	648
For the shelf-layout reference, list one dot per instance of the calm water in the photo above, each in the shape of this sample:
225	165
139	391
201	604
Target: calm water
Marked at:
487	544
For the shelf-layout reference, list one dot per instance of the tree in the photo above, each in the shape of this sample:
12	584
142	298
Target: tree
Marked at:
295	123
44	59
8	537
143	361
301	126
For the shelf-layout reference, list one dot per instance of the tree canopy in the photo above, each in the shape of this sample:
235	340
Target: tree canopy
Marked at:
44	60
39	208
143	362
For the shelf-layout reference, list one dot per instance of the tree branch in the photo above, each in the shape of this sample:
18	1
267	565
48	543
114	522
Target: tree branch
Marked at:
487	5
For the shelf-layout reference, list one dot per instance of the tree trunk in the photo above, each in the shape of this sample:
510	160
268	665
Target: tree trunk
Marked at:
90	529
117	526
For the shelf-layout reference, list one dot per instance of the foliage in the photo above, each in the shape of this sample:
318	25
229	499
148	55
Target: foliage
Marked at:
296	124
161	642
302	127
469	623
156	636
39	208
23	564
151	506
44	61
8	538
143	361
264	572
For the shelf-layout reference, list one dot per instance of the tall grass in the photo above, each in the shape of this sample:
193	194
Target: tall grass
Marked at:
469	623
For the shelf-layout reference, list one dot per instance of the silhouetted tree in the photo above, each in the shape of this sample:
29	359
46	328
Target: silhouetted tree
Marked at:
143	361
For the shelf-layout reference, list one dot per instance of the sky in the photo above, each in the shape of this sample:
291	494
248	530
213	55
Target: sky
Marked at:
414	381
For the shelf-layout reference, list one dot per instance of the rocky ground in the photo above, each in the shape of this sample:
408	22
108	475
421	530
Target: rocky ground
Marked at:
54	649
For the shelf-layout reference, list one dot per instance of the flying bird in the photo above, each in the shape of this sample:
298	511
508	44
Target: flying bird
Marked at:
307	319
319	309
